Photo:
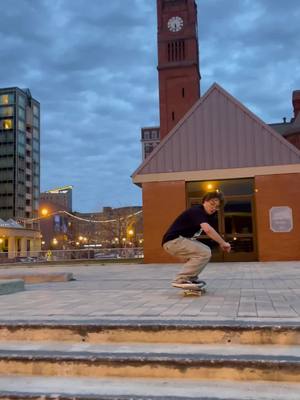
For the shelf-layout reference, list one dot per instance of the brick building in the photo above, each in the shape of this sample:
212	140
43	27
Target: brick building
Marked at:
217	144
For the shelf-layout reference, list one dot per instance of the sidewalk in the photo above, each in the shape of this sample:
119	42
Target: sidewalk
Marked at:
262	292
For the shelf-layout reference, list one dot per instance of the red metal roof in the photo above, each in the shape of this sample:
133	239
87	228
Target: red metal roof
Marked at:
219	132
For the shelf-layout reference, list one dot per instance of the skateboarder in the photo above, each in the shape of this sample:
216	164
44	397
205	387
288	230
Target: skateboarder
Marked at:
180	240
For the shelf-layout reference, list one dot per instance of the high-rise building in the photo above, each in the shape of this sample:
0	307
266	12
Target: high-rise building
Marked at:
19	155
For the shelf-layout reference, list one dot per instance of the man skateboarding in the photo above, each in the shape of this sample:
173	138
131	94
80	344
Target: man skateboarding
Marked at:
180	240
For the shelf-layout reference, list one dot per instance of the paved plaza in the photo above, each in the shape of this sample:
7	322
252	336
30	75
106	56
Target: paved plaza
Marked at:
235	291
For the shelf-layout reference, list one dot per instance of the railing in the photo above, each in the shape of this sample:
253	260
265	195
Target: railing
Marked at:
76	254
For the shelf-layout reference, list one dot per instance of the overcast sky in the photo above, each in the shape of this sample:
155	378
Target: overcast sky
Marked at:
92	66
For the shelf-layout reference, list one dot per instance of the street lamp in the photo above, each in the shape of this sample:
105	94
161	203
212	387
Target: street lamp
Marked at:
44	212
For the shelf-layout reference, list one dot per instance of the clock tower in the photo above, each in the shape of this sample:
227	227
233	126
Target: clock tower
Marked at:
178	60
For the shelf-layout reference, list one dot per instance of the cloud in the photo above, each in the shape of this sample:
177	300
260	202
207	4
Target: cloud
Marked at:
92	66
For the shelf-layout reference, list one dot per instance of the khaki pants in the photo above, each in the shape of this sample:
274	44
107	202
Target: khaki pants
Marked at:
196	253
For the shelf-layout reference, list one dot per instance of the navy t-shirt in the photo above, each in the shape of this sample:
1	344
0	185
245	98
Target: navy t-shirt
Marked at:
188	223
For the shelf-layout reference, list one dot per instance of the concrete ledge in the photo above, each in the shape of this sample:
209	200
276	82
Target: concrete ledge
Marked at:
143	389
11	286
38	277
151	365
151	332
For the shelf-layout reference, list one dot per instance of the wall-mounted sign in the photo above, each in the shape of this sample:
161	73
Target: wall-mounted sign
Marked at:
281	219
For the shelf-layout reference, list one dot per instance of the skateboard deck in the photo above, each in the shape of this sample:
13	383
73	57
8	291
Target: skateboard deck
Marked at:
194	292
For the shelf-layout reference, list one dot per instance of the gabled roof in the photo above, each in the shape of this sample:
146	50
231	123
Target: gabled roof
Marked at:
219	132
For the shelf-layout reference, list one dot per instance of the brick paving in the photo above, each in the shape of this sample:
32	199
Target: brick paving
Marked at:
235	291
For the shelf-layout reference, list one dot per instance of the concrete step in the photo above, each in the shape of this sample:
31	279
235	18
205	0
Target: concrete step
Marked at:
143	331
158	360
8	286
38	277
33	387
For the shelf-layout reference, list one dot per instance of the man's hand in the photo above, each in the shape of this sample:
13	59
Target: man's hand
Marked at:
225	247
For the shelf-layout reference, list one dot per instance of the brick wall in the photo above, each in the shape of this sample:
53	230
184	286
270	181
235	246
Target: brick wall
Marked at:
276	191
162	203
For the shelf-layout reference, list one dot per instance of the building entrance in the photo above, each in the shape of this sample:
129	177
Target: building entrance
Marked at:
234	221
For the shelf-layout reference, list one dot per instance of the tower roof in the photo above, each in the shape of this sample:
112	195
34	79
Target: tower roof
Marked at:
218	133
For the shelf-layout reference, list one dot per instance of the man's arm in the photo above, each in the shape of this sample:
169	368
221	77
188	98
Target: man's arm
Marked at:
213	234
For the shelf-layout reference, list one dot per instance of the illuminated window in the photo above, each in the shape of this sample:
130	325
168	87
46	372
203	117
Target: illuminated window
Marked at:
6	99
7	124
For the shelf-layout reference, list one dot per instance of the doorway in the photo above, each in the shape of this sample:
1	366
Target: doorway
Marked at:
235	220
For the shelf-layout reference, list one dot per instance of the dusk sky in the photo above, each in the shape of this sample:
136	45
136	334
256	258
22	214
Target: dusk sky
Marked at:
92	66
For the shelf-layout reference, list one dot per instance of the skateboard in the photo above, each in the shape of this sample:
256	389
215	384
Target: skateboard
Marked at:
194	292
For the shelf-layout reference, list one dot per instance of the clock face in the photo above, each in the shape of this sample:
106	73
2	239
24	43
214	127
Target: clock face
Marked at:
175	24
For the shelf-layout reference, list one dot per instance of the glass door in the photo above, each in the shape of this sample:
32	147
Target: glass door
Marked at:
237	226
235	223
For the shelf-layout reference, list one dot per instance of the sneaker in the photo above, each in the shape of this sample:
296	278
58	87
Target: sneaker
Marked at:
198	281
185	284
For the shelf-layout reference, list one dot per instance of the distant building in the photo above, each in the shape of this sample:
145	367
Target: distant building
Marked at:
60	196
17	241
56	226
117	227
291	130
19	155
150	138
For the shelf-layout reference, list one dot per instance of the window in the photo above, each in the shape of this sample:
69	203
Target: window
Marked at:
146	135
36	180
35	110
6	148
21	125
21	138
6	99
154	135
176	51
36	133
6	124
21	113
36	122
35	156
22	101
36	145
6	111
21	150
